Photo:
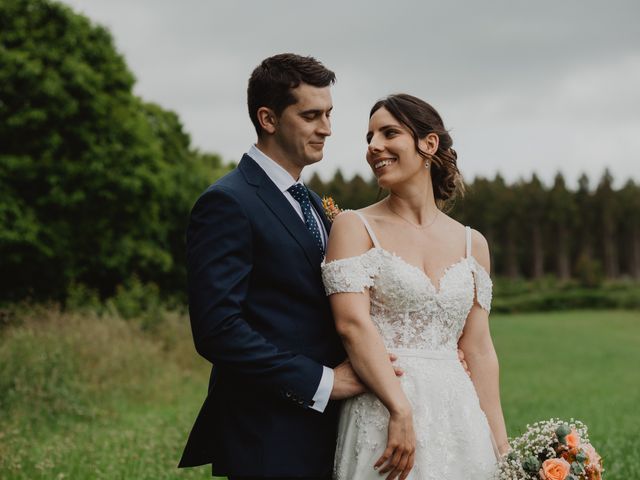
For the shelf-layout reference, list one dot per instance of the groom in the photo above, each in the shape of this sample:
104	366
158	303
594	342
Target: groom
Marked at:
258	309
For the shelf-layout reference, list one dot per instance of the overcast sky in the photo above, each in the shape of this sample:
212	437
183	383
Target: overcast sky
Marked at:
524	86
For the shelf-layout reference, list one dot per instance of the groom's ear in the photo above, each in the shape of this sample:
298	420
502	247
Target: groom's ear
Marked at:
267	119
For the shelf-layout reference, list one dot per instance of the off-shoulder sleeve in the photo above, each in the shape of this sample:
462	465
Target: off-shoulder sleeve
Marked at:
352	274
484	286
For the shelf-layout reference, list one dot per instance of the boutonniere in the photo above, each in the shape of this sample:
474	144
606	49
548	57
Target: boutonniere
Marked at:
330	207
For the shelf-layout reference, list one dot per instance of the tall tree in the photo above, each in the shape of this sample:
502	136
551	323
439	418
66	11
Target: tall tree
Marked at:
607	210
481	209
586	229
337	189
534	205
359	192
562	218
629	201
316	184
90	175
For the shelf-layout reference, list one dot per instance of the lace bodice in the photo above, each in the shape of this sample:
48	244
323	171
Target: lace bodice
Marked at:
406	307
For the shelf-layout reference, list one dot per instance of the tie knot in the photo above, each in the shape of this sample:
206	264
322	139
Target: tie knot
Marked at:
298	192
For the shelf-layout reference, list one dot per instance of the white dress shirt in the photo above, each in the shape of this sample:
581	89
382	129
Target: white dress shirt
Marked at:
283	180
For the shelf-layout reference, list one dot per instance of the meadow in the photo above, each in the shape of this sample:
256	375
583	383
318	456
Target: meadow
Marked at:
84	396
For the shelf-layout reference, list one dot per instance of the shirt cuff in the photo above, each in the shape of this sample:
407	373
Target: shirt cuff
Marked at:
321	397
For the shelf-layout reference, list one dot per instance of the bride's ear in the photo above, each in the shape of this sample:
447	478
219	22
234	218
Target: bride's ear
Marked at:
429	144
267	119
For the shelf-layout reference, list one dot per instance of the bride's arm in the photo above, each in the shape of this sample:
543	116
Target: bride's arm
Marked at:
481	356
366	350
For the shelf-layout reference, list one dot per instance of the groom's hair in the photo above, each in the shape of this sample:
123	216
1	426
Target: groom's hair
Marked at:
271	82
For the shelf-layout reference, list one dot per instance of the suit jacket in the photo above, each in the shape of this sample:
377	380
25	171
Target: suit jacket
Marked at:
260	315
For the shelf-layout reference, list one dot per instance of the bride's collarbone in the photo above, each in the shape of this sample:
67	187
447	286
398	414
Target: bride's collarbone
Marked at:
428	256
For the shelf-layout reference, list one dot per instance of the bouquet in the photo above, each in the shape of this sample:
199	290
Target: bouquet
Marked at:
552	450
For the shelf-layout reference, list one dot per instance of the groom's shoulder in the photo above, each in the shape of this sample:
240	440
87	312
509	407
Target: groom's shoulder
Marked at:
231	182
227	190
233	179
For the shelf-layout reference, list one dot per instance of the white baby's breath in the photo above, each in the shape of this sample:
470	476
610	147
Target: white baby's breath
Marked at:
540	441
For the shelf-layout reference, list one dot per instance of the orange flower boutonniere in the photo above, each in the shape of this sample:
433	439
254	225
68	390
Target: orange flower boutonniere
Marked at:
330	207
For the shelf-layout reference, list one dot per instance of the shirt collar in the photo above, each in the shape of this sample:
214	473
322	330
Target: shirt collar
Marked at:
276	173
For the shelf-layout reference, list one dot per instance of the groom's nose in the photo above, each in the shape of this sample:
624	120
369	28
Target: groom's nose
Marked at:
324	126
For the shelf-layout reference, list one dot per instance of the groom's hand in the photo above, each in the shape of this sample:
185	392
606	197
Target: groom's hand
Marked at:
463	362
346	382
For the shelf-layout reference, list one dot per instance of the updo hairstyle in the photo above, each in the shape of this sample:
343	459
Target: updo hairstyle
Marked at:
421	119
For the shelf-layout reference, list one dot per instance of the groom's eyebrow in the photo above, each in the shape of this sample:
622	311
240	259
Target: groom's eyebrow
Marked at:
315	111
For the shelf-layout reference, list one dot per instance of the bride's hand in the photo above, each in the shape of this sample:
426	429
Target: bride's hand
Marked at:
398	457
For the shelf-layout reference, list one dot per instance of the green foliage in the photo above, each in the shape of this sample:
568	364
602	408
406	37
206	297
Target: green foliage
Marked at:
133	300
352	194
95	184
82	298
588	271
138	300
549	294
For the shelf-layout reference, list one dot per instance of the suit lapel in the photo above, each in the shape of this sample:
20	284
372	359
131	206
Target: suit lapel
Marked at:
282	209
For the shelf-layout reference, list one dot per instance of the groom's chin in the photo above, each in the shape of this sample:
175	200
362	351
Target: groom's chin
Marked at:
314	158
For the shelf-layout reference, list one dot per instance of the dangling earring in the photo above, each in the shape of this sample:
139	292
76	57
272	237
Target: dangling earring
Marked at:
427	161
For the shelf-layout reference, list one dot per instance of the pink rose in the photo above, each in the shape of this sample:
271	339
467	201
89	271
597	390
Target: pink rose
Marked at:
592	456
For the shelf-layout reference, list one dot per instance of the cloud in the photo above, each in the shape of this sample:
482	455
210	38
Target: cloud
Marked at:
536	86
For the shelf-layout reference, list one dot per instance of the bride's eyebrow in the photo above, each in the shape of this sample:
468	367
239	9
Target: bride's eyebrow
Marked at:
381	129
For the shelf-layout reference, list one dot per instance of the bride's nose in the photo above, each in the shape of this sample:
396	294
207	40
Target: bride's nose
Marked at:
374	146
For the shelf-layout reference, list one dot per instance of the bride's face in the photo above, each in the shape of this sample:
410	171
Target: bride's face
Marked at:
392	153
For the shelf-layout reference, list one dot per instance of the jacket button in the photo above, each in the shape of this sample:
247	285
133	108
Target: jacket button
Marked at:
288	394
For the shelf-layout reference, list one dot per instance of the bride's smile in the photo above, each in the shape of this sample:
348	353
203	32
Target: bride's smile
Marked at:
391	150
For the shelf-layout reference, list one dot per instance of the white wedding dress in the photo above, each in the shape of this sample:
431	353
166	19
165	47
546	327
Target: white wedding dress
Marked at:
422	326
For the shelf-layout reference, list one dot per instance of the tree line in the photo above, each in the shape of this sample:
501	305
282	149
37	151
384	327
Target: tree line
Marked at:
588	233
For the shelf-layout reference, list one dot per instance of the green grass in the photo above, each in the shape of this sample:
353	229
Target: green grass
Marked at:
133	441
96	398
575	364
86	397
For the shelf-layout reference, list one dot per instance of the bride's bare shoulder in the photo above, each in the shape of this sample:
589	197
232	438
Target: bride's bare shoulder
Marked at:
348	236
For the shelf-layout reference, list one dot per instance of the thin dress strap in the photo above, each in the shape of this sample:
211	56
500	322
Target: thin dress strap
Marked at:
374	239
468	232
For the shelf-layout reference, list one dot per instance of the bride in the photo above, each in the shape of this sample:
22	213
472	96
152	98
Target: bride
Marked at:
405	278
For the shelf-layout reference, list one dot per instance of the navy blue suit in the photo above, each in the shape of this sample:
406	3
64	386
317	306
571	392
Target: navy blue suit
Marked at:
259	314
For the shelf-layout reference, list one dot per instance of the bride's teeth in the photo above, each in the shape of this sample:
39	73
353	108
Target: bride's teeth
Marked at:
382	163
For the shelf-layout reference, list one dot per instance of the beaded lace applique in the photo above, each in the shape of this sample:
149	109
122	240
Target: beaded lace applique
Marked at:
405	305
